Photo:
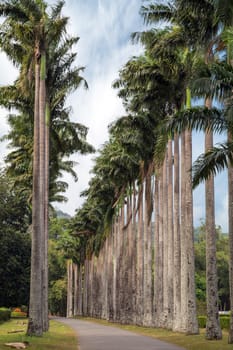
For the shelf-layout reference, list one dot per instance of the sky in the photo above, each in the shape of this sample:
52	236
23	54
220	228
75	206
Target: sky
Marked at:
104	28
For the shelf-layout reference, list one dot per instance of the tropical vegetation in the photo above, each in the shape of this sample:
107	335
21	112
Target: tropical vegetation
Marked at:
131	254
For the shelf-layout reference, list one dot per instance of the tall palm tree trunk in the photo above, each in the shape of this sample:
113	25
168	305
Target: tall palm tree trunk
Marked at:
183	262
156	255
134	255
160	269
69	312
192	323
46	226
213	329
140	260
230	218
170	239
130	255
80	290
165	243
42	174
177	250
75	268
115	262
35	326
85	289
147	319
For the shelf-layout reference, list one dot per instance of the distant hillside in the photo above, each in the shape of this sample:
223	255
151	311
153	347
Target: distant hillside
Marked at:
61	214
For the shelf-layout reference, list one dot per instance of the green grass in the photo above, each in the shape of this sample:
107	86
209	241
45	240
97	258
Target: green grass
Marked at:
59	336
188	342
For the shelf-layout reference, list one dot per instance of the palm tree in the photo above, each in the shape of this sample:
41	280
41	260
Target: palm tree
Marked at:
32	41
34	11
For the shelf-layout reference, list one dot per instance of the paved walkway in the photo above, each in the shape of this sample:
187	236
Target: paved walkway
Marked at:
94	336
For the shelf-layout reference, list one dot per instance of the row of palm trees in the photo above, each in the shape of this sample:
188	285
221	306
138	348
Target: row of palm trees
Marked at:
148	230
34	38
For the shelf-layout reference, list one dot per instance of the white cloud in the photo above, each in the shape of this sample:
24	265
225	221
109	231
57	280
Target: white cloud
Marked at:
101	26
8	74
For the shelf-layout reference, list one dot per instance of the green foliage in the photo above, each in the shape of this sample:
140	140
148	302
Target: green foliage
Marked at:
61	246
57	297
200	280
14	245
5	314
224	322
202	321
18	314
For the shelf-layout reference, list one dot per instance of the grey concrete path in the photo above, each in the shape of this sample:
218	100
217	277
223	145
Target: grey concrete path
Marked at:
94	336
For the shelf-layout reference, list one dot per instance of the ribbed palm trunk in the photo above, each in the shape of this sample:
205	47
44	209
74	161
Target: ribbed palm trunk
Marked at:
156	255
75	302
165	244
213	329
130	257
183	262
177	251
46	226
140	259
35	326
91	285
123	268
111	276
134	255
80	290
192	323
69	312
147	319
230	218
120	269
43	177
115	262
160	267
105	280
170	237
85	287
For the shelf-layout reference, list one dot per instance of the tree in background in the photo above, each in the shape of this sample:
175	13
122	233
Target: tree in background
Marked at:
61	247
15	245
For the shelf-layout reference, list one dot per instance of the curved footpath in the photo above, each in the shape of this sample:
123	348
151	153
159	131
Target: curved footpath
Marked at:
94	336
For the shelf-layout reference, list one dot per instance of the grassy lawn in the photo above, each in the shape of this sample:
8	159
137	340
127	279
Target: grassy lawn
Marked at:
188	342
59	337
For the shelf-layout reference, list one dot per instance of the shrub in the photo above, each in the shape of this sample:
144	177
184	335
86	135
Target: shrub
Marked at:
18	314
17	309
24	308
202	321
224	322
5	314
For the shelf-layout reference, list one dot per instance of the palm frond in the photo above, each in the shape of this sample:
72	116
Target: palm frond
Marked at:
212	162
157	12
199	118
